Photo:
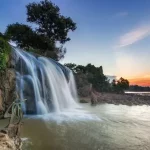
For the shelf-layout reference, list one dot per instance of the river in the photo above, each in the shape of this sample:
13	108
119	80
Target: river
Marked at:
101	127
139	93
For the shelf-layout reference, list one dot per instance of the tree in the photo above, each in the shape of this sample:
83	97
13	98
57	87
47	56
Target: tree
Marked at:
71	66
21	34
120	85
123	83
25	37
95	70
91	68
101	70
49	20
99	82
90	74
80	69
3	36
52	28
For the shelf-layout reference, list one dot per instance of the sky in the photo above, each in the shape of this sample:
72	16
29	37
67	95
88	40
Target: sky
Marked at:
111	33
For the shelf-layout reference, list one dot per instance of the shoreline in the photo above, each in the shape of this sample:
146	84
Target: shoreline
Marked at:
118	99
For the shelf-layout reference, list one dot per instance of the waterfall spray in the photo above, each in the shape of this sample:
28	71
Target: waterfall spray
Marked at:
47	85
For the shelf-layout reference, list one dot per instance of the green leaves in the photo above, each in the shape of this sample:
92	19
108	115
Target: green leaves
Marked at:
4	53
49	20
19	33
91	74
2	61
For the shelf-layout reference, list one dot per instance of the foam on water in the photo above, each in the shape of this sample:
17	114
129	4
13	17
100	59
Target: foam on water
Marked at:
67	116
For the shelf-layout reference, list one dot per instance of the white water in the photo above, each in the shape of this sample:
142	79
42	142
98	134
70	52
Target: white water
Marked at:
47	85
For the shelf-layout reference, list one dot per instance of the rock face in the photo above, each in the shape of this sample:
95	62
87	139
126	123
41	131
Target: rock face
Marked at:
7	89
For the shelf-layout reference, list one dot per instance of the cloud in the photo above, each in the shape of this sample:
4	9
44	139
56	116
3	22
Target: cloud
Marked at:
133	36
122	14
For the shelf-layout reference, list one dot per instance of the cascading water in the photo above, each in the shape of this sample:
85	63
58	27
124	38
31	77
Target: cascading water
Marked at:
47	85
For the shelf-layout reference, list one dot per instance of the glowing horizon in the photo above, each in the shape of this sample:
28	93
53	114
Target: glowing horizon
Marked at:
141	81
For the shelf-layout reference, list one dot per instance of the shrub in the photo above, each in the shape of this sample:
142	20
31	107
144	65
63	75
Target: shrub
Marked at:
4	53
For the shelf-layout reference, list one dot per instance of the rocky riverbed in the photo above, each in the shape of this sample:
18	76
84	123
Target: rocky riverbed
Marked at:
123	99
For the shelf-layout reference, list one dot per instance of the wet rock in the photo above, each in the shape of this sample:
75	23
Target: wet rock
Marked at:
94	98
10	138
6	143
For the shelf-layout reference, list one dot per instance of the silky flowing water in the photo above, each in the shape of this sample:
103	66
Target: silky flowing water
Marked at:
103	127
47	85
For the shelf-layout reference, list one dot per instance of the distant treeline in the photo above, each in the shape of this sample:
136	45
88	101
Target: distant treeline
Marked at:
139	88
91	74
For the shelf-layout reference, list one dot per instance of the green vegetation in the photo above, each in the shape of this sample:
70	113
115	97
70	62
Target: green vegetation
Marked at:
50	22
17	113
51	28
94	75
4	52
120	85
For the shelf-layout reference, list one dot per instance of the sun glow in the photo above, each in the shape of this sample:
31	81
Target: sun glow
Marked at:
142	81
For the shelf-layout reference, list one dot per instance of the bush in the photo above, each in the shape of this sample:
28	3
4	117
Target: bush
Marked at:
4	53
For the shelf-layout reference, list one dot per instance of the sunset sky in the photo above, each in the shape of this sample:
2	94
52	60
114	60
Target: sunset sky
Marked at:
111	33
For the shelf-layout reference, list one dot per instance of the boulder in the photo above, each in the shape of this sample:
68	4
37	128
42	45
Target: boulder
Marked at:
10	138
6	143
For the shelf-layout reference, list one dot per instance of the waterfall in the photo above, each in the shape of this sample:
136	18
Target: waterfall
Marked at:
47	85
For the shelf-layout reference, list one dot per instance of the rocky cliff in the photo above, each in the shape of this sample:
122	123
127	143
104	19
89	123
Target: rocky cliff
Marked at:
7	89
